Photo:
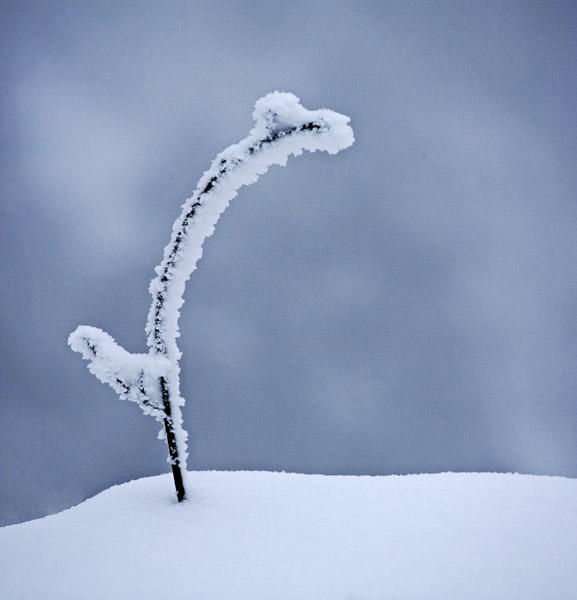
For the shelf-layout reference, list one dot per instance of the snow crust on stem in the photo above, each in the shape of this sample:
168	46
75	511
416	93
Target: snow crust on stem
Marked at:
282	127
134	377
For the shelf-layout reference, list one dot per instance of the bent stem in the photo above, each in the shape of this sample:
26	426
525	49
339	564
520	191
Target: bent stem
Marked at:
282	127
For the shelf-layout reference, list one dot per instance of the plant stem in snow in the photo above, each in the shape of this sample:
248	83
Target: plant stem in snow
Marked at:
283	127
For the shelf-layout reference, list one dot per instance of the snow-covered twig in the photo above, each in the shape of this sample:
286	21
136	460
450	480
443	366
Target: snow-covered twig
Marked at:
283	127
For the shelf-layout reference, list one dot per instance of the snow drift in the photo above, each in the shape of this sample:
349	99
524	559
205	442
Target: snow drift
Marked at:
254	535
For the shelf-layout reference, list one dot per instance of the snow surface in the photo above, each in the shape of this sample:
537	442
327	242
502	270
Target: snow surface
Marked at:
254	535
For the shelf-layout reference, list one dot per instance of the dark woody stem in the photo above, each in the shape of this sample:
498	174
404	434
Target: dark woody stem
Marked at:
171	441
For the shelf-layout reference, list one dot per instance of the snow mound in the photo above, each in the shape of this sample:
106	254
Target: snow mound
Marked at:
255	535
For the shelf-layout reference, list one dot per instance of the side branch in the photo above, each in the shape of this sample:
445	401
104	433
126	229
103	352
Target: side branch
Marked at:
133	377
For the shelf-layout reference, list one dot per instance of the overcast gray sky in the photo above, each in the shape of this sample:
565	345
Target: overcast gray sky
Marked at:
408	305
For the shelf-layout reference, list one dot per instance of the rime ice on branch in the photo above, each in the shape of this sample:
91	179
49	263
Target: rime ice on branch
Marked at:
283	127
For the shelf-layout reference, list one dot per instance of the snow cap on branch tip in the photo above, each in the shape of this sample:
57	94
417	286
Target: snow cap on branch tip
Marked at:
280	111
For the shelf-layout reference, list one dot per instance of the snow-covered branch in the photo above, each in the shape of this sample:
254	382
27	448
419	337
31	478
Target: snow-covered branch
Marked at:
283	127
134	377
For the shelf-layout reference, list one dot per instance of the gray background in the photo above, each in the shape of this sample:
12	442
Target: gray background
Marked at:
409	305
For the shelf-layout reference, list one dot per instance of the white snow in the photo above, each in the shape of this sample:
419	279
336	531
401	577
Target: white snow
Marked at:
253	535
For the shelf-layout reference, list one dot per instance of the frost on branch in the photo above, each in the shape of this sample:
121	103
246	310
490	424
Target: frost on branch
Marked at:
134	377
283	127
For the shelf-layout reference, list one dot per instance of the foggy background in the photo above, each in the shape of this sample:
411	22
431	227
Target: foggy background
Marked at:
408	305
